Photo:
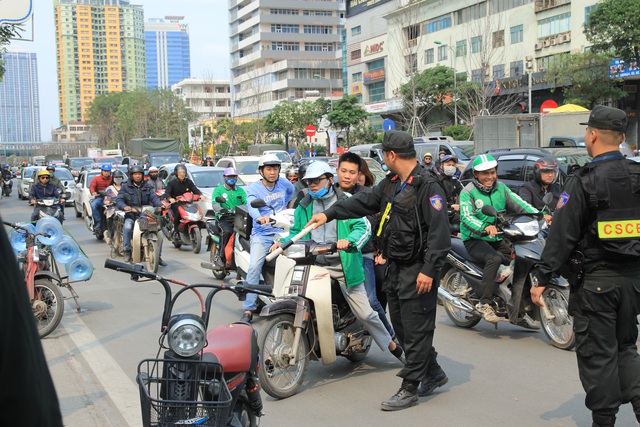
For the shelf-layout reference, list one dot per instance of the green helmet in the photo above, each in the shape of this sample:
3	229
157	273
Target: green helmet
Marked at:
484	162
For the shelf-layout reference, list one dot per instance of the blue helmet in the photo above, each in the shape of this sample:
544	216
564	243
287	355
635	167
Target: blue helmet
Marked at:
106	167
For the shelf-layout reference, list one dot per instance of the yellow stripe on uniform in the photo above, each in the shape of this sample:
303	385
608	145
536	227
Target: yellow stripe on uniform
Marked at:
619	229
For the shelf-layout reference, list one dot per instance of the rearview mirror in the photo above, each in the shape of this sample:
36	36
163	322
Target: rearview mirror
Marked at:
489	210
258	203
547	198
221	199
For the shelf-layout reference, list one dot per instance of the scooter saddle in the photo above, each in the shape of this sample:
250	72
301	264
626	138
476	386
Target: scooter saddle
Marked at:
231	343
459	248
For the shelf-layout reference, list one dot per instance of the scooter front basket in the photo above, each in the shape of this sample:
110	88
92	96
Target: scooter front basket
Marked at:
175	392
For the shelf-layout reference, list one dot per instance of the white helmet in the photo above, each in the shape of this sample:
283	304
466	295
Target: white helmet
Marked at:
269	160
317	169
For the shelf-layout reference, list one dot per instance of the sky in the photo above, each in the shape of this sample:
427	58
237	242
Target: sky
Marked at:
208	37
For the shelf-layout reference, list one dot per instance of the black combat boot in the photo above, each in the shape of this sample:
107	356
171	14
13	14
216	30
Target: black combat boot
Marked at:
405	398
432	381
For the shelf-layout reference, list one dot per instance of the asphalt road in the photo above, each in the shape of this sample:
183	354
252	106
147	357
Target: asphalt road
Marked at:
497	377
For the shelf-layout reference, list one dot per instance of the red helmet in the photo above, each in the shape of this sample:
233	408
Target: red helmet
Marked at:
544	164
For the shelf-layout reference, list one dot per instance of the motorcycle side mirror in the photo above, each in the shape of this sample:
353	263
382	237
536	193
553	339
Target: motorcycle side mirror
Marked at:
258	203
221	199
547	198
489	210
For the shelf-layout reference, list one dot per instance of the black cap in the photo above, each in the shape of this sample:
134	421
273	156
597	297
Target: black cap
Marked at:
397	141
610	118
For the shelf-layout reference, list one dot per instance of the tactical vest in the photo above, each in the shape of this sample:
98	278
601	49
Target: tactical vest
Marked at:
613	197
402	231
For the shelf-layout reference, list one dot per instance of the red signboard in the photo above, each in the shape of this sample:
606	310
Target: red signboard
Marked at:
373	76
310	130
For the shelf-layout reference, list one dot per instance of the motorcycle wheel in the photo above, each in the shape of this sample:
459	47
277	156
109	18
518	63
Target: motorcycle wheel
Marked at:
454	282
152	256
277	377
558	330
218	274
243	413
47	305
195	237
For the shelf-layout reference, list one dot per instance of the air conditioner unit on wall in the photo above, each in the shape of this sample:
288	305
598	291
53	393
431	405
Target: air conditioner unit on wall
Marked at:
546	43
554	41
538	46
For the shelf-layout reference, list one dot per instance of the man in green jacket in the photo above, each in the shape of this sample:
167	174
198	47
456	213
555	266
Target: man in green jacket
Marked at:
347	266
478	230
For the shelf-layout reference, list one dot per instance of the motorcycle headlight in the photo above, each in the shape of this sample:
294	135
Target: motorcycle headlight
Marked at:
192	216
529	228
187	335
296	251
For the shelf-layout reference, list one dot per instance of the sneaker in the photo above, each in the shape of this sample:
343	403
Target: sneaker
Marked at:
487	312
247	317
127	256
430	383
405	398
161	262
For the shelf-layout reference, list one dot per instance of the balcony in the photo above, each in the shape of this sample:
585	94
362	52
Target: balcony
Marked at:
542	5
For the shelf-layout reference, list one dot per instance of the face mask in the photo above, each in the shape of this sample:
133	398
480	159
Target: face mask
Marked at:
321	193
117	180
231	181
450	170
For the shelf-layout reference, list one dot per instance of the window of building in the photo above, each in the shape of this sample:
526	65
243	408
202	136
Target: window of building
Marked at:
498	71
318	29
283	12
285	46
554	25
317	13
356	77
412	33
476	44
516	68
411	64
471	13
356	31
443	52
587	12
376	65
284	28
498	39
318	47
461	48
498	6
429	56
476	75
356	54
517	34
545	62
376	91
437	24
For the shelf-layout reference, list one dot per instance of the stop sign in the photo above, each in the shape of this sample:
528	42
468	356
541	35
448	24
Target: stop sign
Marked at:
310	130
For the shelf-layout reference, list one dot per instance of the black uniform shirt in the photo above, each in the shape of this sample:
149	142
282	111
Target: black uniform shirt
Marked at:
177	188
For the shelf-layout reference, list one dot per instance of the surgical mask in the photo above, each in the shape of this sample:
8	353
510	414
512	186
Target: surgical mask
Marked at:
117	181
320	193
231	181
450	170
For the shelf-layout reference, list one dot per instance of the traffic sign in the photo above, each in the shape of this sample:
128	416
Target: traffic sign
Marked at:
310	130
388	124
548	105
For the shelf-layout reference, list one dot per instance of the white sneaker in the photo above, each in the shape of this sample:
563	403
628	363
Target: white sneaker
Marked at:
487	312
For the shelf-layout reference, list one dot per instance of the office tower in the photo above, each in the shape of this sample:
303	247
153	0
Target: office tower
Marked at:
19	104
167	45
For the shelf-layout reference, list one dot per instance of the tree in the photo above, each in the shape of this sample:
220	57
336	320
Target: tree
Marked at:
428	89
366	134
459	132
612	27
585	78
101	115
347	113
7	32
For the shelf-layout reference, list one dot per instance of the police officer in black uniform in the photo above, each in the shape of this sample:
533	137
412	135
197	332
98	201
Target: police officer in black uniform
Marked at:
595	240
414	230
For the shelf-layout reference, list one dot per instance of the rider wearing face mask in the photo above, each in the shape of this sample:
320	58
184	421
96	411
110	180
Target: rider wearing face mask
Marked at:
451	185
234	196
112	192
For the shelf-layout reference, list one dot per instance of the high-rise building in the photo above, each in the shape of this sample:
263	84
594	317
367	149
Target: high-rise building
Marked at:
210	99
168	57
19	104
100	49
284	50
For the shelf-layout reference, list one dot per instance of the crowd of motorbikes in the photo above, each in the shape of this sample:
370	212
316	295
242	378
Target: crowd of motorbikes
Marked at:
212	376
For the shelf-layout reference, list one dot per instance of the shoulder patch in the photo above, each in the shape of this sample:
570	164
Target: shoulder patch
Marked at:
563	200
436	202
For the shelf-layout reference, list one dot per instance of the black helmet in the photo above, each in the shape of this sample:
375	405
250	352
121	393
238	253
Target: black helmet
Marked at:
51	168
545	164
136	169
180	166
118	174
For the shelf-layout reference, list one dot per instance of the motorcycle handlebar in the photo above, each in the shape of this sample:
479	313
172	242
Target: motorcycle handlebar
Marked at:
294	239
135	269
256	289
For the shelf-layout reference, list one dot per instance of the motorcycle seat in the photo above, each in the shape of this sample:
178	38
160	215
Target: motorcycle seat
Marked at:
458	247
231	344
245	243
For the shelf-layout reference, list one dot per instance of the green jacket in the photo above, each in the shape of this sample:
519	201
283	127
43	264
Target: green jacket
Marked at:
471	202
55	181
234	197
357	231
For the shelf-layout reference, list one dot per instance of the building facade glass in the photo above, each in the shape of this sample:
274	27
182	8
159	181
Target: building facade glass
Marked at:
168	54
19	102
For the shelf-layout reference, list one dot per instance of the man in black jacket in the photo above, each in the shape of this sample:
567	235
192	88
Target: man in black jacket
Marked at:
177	187
415	241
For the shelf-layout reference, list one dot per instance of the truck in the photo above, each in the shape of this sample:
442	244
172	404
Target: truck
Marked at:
153	152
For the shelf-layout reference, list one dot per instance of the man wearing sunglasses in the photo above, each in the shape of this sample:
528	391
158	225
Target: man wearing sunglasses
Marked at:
42	189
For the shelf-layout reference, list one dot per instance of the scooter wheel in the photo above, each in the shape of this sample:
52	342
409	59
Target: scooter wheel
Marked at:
48	306
454	282
558	329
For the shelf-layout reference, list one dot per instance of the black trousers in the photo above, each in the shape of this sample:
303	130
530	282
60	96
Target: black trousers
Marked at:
176	217
413	318
605	324
493	254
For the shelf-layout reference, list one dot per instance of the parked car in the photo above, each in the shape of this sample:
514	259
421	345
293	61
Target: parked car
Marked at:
247	167
25	181
368	150
515	166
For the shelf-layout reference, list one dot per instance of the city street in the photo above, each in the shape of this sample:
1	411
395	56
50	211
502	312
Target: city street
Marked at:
497	377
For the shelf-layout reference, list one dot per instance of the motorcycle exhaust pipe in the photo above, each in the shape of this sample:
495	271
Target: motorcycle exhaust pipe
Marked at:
455	301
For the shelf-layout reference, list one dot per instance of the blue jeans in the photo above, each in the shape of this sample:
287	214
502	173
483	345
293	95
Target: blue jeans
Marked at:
260	245
96	208
128	233
370	287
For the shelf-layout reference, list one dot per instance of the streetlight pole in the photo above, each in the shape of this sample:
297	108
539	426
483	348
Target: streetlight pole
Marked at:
455	80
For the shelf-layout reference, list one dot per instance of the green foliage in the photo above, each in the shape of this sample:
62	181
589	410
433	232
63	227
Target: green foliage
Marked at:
366	134
7	32
291	117
585	77
347	113
613	28
459	132
303	149
428	88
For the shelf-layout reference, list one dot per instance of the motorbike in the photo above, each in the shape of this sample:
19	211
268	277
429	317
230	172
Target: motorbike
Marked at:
191	221
220	264
89	222
461	285
309	319
49	206
114	235
206	376
6	187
